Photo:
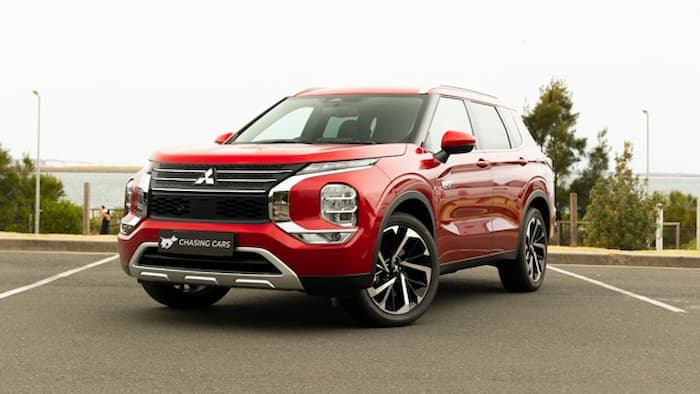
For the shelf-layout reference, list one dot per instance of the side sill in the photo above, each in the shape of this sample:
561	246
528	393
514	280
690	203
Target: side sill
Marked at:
455	266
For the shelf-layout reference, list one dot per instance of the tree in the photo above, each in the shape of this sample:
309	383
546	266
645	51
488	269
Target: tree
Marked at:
18	185
598	160
620	215
551	123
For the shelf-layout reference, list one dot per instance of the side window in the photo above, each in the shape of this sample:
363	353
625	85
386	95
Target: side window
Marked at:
289	126
450	114
490	131
513	133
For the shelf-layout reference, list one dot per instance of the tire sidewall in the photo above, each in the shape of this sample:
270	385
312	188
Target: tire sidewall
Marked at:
522	248
369	308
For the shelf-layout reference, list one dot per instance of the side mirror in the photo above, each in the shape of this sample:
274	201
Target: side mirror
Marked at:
223	138
455	142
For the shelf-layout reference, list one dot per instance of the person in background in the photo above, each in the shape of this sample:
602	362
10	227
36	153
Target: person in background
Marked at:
106	217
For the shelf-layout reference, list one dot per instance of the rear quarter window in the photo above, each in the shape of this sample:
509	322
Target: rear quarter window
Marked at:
490	131
511	119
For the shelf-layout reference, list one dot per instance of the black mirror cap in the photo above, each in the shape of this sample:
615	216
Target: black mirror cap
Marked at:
445	153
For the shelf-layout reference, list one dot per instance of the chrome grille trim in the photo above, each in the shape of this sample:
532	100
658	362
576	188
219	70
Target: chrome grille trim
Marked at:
203	190
255	171
191	180
243	178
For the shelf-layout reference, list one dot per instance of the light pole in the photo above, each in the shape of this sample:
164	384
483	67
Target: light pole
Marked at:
646	114
38	163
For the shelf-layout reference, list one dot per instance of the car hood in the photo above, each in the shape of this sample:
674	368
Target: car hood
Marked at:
275	153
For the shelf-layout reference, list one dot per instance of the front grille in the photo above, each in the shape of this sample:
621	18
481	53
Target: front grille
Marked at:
240	262
210	208
221	193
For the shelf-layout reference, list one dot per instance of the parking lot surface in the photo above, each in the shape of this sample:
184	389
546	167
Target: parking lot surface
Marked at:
97	331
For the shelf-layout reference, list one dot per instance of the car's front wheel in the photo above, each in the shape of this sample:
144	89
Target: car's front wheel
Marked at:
184	295
526	273
405	277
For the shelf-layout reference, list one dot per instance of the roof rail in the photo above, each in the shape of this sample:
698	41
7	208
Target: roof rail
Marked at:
308	90
467	90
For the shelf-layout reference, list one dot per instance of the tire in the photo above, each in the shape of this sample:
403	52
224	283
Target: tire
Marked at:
526	272
406	268
184	296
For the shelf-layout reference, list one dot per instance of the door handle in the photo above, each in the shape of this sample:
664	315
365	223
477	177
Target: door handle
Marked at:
522	161
482	163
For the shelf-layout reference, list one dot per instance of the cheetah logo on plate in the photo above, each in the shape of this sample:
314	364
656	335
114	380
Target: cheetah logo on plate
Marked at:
167	243
207	178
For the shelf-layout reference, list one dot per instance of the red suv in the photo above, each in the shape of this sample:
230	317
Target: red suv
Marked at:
367	195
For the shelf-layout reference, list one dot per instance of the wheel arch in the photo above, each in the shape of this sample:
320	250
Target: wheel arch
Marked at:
538	200
413	203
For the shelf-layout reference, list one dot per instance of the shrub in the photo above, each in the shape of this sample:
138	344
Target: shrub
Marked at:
620	214
61	217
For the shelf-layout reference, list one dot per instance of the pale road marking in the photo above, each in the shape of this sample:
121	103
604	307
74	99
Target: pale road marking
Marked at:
64	274
619	290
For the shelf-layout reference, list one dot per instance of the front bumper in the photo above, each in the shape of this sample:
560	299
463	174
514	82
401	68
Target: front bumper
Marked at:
297	266
286	279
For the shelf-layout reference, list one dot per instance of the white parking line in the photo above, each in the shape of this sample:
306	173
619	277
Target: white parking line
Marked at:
56	277
619	290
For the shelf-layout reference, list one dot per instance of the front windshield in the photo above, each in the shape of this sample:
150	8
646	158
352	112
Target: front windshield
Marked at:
346	119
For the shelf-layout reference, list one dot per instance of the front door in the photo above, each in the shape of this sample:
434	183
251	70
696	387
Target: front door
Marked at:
465	186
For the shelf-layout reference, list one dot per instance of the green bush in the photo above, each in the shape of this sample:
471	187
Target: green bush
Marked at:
679	207
61	217
620	215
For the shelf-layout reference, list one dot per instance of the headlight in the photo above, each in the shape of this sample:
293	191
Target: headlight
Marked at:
128	194
336	165
135	201
339	204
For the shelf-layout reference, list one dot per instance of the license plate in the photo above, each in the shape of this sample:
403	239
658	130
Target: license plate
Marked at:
196	243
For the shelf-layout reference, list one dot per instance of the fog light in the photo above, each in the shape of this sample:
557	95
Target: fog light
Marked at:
324	238
126	226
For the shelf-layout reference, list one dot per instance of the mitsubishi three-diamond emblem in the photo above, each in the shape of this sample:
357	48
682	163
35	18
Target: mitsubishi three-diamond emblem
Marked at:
207	178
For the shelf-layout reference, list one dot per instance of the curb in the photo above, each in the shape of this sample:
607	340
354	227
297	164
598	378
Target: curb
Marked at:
59	245
623	259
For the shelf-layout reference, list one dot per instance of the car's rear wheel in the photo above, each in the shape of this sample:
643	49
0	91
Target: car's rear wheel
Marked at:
405	277
526	273
184	295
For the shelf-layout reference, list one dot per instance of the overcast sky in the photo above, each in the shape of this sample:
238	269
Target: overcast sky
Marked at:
119	79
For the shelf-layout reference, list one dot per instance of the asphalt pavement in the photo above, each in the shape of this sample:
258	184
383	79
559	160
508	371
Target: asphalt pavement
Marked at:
97	331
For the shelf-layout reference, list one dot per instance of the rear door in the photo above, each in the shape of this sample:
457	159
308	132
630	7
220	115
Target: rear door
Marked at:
502	150
464	186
